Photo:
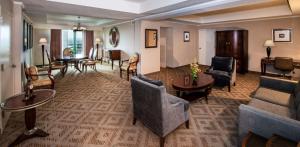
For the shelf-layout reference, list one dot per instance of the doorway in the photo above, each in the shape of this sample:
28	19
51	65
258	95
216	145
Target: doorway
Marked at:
166	45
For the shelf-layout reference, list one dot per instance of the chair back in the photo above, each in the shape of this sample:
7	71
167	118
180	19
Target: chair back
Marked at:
91	51
284	63
94	56
148	101
30	72
223	63
67	52
133	61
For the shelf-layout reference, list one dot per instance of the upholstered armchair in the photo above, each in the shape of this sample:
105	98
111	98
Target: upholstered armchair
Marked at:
129	66
56	65
159	111
223	70
39	80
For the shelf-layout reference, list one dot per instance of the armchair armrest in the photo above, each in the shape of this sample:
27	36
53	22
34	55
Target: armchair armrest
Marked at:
266	124
123	62
43	74
278	84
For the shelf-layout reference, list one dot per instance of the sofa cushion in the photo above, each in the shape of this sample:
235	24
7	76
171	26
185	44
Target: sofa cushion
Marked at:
297	95
273	108
154	82
222	63
274	96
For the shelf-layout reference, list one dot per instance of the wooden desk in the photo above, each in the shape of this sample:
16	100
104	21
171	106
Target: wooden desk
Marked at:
114	55
270	61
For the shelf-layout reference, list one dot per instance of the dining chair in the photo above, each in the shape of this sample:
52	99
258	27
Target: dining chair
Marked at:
56	65
91	61
129	66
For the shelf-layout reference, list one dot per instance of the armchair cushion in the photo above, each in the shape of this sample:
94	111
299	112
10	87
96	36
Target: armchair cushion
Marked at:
222	63
154	82
273	108
220	73
275	97
41	82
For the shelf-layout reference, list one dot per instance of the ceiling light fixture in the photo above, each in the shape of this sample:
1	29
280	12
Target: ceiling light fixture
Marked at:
78	27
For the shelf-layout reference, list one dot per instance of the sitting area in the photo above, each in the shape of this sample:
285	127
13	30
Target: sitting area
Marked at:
223	70
159	111
273	110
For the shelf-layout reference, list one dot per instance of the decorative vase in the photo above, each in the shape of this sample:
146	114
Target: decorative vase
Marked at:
194	81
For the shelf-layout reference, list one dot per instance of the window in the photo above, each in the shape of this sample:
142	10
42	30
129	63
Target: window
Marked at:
74	40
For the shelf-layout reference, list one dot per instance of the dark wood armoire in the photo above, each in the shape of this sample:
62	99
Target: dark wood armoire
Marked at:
234	43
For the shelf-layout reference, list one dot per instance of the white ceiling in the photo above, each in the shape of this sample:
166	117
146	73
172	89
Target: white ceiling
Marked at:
110	11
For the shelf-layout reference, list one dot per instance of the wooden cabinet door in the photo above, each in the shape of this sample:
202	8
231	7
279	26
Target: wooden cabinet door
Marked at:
220	43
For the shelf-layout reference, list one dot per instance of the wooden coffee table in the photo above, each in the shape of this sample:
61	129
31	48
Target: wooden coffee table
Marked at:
189	91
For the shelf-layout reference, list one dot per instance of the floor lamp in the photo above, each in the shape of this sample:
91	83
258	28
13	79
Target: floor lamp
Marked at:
98	42
43	42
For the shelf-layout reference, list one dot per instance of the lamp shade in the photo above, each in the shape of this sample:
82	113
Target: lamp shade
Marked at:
43	41
269	43
97	40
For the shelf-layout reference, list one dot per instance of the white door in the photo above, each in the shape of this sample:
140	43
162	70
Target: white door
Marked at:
206	47
163	48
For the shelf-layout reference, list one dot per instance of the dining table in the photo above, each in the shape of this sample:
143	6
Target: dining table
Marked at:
72	59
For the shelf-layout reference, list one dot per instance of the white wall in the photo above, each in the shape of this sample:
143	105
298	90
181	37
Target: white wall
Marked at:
261	30
37	49
126	42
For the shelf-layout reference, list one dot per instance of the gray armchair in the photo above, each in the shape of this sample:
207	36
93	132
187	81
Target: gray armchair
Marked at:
156	109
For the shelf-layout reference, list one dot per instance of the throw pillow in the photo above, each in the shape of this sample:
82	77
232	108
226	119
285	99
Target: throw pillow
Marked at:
154	82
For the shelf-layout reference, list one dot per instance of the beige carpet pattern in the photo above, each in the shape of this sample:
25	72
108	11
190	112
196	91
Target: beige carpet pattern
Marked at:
94	109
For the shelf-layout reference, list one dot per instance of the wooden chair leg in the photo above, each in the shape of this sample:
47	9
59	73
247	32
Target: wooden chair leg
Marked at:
134	121
162	141
128	75
120	73
234	84
229	87
187	124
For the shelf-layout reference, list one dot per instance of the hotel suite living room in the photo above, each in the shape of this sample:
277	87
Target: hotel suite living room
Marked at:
150	73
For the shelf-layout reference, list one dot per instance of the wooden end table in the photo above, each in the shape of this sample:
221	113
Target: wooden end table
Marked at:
18	103
189	91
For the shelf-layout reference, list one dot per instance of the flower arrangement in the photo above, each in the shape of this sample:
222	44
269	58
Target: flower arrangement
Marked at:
195	70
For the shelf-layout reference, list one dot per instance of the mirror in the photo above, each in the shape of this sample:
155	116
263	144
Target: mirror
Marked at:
114	36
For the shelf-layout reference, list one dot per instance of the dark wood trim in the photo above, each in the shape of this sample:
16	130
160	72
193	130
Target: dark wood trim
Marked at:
290	34
156	38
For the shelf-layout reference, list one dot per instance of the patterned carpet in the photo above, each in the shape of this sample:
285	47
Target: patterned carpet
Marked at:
94	109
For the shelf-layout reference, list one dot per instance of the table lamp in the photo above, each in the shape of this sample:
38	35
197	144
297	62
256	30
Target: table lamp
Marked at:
43	42
98	41
269	44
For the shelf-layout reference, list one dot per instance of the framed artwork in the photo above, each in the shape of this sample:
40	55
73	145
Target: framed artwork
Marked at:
282	35
186	36
150	38
186	79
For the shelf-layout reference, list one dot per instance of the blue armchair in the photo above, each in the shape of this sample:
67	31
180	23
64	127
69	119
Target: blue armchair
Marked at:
156	109
223	70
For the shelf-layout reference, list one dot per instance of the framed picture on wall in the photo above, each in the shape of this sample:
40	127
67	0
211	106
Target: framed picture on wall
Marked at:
282	35
150	38
186	36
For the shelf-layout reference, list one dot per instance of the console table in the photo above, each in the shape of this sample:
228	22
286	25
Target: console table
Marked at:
270	61
114	55
18	103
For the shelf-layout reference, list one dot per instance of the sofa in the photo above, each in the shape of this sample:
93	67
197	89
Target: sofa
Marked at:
159	111
273	109
223	70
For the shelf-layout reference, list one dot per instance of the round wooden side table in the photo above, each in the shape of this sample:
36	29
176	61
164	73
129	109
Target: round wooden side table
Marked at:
18	103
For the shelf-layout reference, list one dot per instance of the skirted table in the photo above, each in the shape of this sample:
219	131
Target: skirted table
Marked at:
18	103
